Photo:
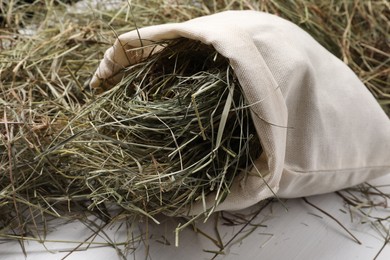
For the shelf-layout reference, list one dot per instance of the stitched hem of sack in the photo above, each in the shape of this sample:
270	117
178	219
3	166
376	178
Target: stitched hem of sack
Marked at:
340	170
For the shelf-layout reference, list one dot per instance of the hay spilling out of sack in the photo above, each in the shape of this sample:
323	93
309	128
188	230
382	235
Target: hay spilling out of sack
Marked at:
175	129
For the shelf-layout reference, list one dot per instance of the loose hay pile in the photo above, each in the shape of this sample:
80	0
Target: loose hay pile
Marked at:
175	129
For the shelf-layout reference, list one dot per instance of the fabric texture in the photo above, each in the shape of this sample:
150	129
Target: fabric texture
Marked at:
320	128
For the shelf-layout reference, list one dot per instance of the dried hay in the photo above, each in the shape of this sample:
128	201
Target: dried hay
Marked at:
65	151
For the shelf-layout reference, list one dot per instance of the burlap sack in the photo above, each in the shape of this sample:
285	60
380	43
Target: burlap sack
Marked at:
320	128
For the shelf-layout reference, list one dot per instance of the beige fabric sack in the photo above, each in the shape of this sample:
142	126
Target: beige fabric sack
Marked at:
320	128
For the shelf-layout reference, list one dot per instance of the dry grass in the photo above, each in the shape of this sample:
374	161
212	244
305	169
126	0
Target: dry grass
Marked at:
59	156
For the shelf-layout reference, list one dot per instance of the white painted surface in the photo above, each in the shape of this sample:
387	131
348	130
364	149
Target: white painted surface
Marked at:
293	234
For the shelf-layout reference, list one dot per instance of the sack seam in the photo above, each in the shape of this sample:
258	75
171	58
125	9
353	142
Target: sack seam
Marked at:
341	170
